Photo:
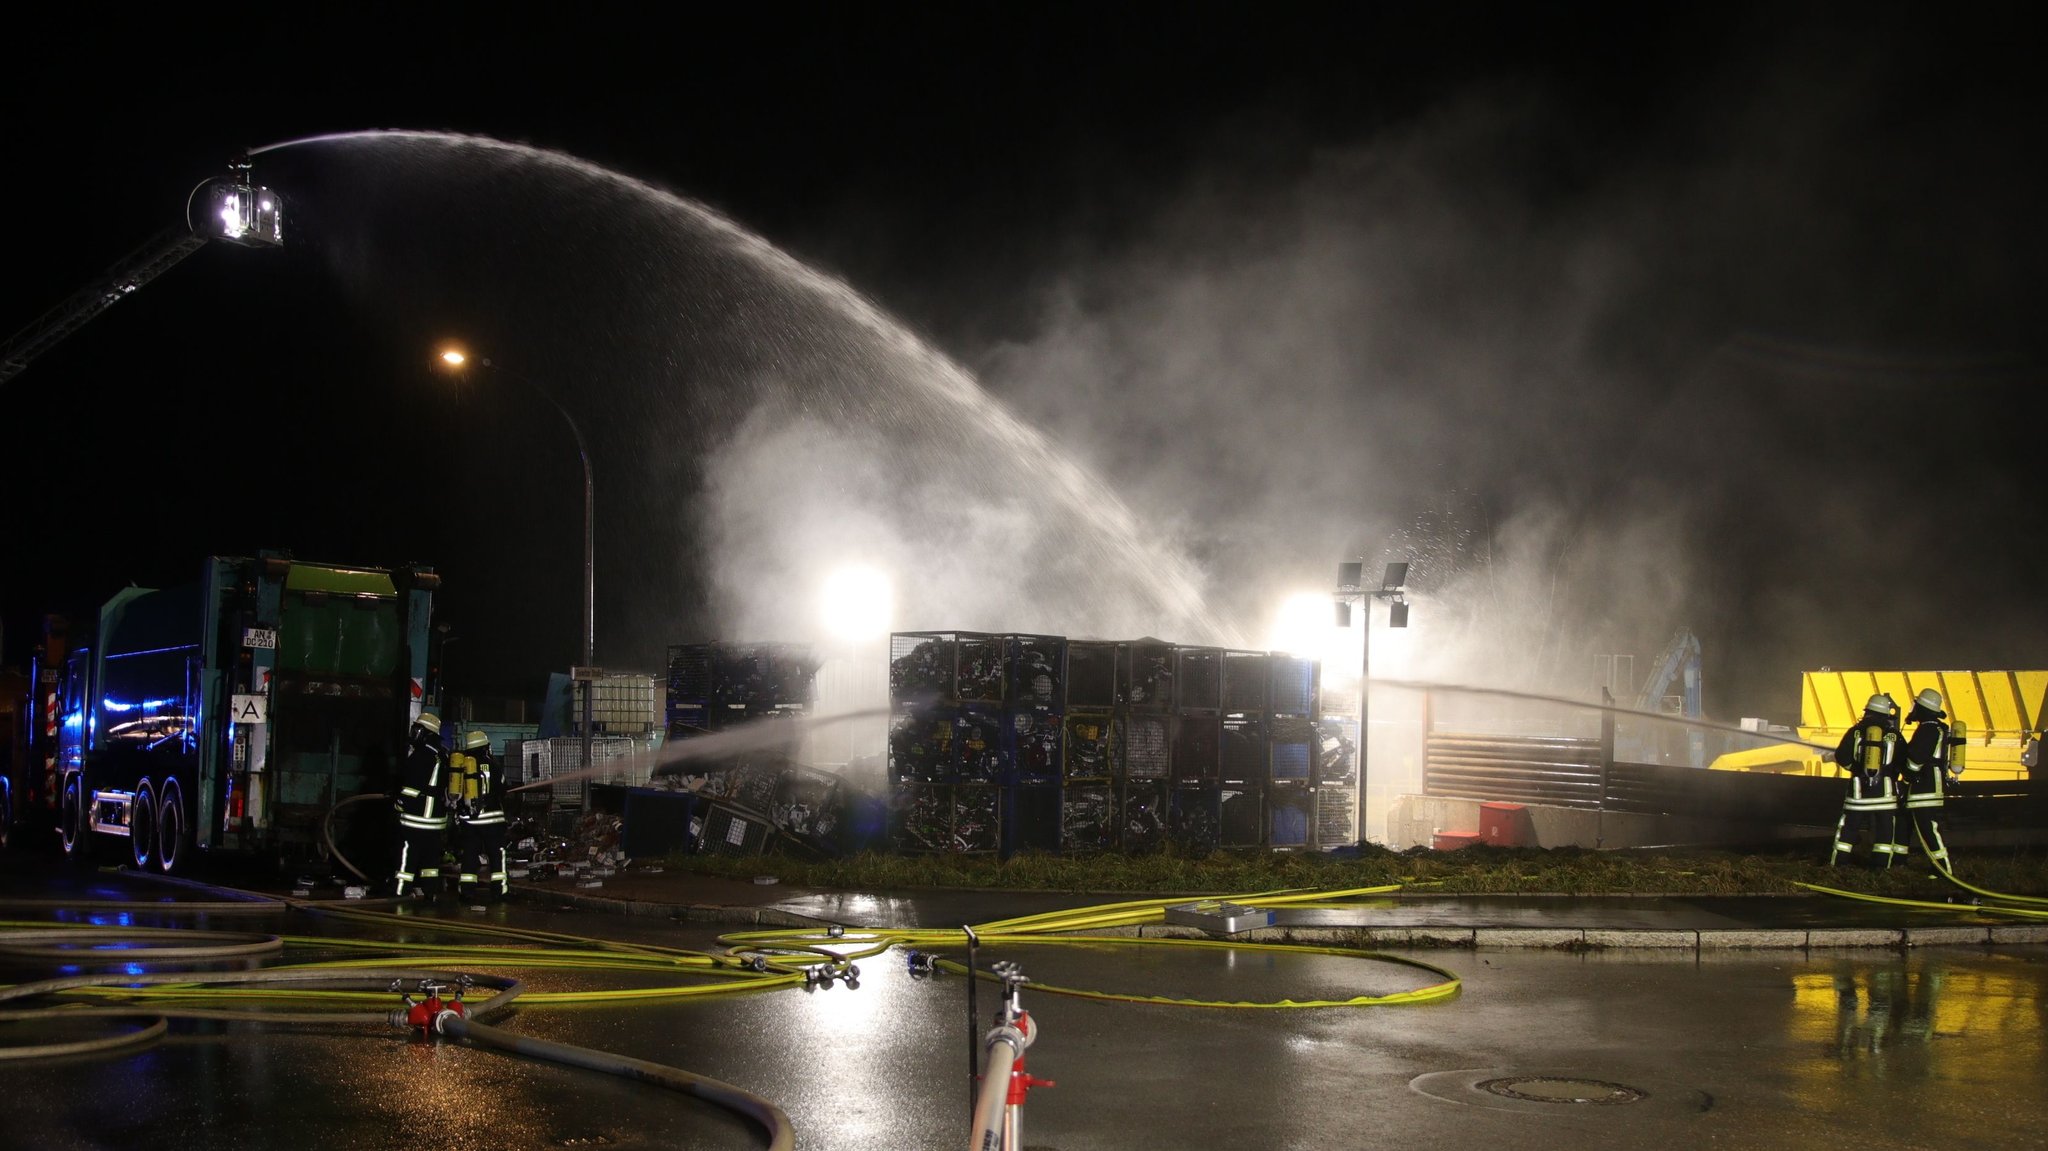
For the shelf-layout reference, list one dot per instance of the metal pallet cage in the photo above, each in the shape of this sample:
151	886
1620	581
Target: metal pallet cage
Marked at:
727	829
962	819
1032	820
1143	816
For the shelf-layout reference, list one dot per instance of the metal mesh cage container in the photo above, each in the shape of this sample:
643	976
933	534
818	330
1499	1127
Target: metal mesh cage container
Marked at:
977	818
1142	817
946	666
758	678
689	673
922	814
1146	682
715	685
921	747
978	668
920	668
806	806
1087	818
1198	680
1147	746
1033	819
1245	681
981	753
687	719
1240	825
1197	748
1294	686
1091	674
1245	758
949	818
1090	746
1288	812
1336	758
1293	749
1035	745
727	830
1197	819
1037	671
626	761
1336	817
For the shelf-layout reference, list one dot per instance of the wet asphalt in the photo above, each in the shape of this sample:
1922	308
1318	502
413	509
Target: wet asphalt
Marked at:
1937	1046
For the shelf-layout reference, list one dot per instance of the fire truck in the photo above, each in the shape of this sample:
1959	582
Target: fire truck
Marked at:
233	714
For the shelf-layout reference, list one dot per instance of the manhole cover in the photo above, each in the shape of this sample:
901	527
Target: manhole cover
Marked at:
1551	1089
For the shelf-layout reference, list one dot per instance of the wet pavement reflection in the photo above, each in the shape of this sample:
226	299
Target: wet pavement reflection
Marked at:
1938	1047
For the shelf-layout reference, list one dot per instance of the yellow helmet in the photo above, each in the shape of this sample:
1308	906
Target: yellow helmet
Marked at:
430	721
474	740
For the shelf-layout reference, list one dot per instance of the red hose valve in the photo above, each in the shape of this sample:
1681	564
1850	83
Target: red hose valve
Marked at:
1022	1081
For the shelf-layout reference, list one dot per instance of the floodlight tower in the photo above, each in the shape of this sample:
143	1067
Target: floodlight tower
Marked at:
1351	588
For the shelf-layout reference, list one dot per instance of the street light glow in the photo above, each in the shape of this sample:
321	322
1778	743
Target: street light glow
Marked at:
454	357
857	603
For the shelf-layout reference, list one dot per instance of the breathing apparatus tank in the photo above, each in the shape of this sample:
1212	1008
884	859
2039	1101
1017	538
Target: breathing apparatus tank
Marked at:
1958	742
1873	748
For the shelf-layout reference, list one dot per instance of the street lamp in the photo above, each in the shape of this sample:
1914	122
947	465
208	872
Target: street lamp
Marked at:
457	360
1351	587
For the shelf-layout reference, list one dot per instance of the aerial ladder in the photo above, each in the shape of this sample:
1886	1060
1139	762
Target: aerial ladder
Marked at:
232	208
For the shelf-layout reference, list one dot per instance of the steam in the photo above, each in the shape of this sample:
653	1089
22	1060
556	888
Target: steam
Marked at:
1550	386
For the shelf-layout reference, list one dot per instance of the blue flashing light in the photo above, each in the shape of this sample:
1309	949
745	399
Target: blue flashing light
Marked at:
113	655
112	704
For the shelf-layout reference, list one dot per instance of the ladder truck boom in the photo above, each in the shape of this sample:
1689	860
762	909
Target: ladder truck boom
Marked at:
235	210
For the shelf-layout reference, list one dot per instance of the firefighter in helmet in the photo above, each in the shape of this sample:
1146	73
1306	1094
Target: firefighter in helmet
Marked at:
480	823
1930	764
1871	753
422	806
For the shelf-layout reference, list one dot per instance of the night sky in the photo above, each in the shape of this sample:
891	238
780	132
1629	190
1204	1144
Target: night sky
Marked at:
1617	319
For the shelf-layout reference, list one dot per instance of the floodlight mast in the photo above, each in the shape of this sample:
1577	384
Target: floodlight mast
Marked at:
1351	587
236	210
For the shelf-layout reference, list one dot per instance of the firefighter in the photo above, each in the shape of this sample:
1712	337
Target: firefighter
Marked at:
422	808
480	824
1871	753
1929	765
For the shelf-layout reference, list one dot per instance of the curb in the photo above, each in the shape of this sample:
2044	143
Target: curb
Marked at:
1455	938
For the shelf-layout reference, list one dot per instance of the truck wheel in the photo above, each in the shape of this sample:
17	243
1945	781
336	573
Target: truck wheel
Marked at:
142	825
72	810
173	832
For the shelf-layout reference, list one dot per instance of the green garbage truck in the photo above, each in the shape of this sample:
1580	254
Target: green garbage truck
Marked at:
239	712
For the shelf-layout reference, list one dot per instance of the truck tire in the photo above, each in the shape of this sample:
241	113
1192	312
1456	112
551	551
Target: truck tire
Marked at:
74	808
142	825
173	830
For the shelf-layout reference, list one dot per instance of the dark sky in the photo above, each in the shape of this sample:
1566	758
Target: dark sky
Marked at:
1724	313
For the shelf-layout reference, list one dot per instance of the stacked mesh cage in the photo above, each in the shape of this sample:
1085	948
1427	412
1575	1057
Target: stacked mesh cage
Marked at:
954	734
719	686
1092	745
621	760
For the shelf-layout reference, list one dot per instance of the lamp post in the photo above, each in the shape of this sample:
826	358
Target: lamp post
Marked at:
1351	588
457	360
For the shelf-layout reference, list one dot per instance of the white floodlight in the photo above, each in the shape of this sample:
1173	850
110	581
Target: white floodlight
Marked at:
858	603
